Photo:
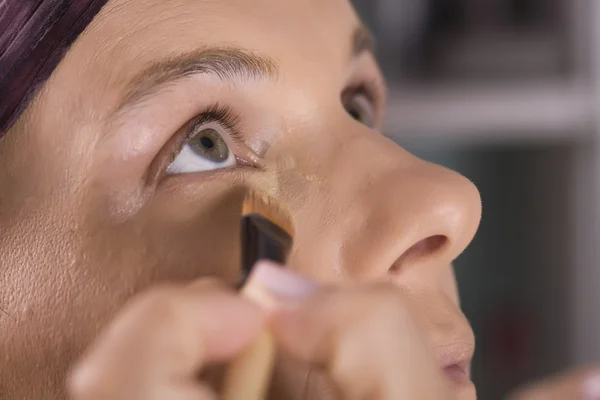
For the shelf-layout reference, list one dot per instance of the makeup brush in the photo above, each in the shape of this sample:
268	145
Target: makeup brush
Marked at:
266	234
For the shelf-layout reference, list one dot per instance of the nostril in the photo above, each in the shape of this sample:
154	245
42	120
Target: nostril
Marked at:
420	251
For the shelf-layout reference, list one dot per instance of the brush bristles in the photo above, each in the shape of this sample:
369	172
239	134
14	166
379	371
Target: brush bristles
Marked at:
260	203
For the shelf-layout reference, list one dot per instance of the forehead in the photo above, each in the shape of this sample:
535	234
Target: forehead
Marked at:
295	33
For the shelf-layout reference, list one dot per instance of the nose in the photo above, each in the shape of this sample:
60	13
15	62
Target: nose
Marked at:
365	208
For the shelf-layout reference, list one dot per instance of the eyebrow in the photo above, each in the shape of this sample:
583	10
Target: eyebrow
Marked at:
226	63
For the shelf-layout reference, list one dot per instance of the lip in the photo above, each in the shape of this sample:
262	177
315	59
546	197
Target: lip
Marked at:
459	373
455	360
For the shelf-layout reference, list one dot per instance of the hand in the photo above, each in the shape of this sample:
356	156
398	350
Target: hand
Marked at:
158	344
367	342
576	385
365	338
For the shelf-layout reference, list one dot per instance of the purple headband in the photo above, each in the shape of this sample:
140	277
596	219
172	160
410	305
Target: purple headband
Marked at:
34	36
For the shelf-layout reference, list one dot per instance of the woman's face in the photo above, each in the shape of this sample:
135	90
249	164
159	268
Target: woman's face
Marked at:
131	167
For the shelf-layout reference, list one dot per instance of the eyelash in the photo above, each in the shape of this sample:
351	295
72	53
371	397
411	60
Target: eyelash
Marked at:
363	89
375	93
224	115
372	89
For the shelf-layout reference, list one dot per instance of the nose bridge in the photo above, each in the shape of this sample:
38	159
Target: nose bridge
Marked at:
367	205
326	184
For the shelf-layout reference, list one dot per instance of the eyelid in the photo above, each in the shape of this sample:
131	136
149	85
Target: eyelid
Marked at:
222	115
374	91
226	117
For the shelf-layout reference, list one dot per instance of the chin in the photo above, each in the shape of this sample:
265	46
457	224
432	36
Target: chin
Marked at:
467	392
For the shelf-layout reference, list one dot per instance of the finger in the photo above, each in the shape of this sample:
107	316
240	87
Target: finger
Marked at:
166	335
577	385
366	340
190	391
178	391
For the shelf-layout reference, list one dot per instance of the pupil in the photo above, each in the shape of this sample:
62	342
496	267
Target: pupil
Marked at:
207	142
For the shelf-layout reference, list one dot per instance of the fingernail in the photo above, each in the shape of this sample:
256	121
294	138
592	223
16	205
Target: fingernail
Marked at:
591	387
281	282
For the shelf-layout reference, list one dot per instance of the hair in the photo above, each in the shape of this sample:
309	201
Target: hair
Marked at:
36	36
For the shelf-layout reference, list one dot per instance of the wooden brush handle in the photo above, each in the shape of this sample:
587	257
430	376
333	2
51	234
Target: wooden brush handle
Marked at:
248	376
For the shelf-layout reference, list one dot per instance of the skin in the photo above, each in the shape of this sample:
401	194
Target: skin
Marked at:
581	384
89	218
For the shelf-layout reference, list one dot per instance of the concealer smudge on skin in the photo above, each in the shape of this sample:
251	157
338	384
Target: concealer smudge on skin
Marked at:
312	178
297	176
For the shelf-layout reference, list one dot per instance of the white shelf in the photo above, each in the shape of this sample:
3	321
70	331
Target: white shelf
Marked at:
541	112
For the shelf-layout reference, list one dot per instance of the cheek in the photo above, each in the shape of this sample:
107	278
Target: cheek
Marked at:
177	237
70	277
198	237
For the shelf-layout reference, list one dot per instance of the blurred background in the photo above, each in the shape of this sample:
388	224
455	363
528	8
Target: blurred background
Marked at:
506	92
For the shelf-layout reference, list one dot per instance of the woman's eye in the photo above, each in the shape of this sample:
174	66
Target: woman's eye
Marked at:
205	150
361	108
